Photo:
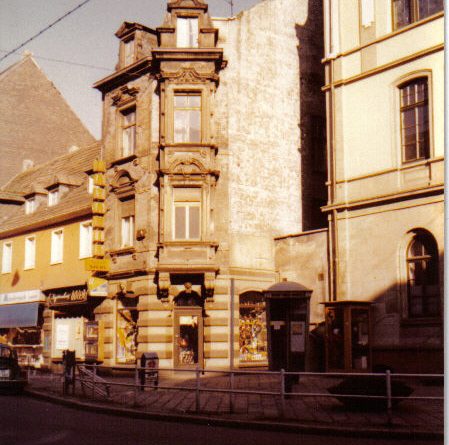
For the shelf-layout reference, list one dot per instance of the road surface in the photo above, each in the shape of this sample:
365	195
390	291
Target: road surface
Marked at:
27	421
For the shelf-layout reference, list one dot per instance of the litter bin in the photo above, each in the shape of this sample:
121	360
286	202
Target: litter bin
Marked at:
149	364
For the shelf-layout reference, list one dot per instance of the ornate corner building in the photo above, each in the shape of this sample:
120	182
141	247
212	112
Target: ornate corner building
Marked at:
195	191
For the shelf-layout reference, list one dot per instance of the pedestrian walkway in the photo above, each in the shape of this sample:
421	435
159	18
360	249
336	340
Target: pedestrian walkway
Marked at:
410	416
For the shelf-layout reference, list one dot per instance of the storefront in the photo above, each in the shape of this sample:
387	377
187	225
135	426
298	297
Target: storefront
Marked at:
21	320
252	329
73	323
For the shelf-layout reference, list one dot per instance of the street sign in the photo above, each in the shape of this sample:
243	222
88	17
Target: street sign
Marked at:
98	287
97	264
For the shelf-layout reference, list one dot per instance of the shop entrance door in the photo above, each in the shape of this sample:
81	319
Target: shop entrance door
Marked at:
188	339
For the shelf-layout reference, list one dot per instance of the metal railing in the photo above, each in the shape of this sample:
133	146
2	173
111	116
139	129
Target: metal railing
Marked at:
97	385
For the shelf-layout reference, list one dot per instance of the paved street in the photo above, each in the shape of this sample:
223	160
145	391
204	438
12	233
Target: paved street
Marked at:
316	411
25	421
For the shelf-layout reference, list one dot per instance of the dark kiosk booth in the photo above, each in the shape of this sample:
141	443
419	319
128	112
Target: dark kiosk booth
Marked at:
348	336
287	305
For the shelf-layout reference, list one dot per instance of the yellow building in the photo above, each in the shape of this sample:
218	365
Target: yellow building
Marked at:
45	237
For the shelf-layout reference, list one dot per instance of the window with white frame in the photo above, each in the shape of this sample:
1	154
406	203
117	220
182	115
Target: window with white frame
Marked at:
128	56
7	257
30	205
57	246
187	214
187	117
128	130
53	197
86	239
187	32
127	231
30	252
90	184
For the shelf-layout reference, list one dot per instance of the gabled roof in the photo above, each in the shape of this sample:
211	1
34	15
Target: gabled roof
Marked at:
75	202
187	4
129	27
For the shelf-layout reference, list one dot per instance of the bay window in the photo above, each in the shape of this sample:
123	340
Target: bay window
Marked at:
187	214
406	12
128	131
187	117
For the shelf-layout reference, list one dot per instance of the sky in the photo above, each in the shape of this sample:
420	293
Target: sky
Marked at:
85	39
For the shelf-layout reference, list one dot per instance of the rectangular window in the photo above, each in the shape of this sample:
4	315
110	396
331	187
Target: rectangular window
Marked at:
406	12
187	118
86	239
187	214
57	246
7	257
53	197
187	32
30	205
415	120
128	141
90	184
127	231
128	47
30	252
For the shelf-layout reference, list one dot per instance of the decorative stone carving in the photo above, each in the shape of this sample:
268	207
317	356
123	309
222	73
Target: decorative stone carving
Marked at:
209	285
188	75
124	94
164	285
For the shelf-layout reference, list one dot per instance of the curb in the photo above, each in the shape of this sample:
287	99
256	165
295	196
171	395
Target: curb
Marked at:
236	423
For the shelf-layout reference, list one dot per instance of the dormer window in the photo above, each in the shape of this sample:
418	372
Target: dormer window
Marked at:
53	197
128	52
187	32
30	205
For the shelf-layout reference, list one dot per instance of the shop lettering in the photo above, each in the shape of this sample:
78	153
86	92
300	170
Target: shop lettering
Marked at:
74	295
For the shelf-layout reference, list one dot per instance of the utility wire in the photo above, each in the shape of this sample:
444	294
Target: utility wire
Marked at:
45	29
103	68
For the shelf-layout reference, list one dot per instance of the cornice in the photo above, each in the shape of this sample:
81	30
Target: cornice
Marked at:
385	199
124	75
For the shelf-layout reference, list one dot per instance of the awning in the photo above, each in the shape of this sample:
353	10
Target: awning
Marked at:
19	315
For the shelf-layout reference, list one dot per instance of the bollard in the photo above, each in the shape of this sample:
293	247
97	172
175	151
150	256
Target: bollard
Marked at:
389	400
282	374
197	392
231	395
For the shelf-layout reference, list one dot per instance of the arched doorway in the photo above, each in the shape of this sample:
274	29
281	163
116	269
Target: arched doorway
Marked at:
188	329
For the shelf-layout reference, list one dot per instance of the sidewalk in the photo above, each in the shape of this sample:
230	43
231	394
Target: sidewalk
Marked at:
411	418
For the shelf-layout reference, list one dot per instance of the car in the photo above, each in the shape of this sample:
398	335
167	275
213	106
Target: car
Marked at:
12	377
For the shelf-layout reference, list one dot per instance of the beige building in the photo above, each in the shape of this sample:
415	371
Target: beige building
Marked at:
37	123
384	63
46	237
207	127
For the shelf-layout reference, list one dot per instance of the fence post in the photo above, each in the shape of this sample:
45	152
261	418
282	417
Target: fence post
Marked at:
282	393
197	395
389	401
231	395
136	383
94	372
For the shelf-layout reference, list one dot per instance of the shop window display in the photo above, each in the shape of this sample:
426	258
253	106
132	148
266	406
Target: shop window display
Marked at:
253	328
126	332
188	340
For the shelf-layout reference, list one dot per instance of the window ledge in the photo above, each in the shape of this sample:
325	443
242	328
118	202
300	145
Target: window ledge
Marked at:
427	321
54	263
122	251
123	160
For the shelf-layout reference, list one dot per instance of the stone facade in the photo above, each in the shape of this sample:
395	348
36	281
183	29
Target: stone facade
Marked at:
213	176
37	123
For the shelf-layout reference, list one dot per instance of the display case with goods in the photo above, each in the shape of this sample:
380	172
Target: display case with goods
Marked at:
93	341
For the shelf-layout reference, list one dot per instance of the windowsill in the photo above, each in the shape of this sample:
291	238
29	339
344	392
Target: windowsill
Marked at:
188	243
6	272
29	267
122	251
85	257
123	160
424	321
54	263
414	163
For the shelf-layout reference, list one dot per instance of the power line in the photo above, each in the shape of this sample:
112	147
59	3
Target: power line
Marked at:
103	68
45	29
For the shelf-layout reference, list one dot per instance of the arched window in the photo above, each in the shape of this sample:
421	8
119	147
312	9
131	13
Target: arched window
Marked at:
422	277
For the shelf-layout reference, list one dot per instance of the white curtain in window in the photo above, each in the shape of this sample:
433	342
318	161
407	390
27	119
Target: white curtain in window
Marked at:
6	257
187	32
30	252
367	7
